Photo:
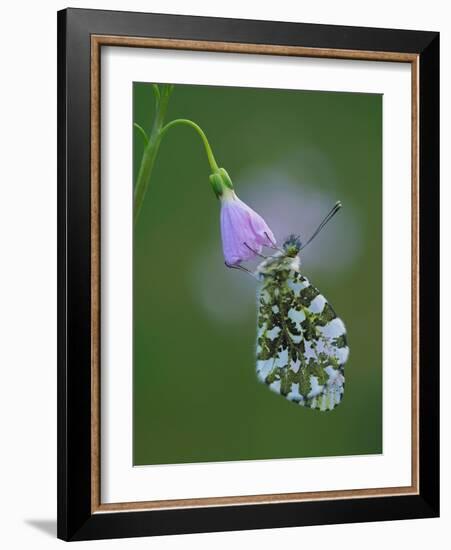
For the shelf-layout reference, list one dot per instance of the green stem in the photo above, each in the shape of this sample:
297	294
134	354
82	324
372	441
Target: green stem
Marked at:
211	159
151	149
156	92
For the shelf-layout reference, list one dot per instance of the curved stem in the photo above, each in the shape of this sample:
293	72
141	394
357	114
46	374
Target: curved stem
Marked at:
208	150
153	143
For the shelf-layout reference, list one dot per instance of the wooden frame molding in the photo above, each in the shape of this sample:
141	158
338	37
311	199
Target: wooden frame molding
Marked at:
97	41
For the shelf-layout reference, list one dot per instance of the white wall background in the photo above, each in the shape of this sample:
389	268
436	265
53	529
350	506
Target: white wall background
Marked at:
28	271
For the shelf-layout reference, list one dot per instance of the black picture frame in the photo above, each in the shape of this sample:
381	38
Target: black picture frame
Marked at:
76	520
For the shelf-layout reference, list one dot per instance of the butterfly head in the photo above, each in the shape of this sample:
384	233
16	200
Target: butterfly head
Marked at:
288	257
292	246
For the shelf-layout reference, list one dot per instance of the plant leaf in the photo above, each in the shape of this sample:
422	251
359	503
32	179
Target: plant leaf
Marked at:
142	132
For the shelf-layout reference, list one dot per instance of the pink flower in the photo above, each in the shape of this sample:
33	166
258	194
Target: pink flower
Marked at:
243	231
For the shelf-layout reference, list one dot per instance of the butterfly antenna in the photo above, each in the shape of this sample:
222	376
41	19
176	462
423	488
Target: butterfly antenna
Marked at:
329	216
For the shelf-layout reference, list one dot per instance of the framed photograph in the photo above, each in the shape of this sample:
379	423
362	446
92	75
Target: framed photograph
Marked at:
248	274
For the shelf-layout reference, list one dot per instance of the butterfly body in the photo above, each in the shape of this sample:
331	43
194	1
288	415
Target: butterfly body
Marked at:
301	343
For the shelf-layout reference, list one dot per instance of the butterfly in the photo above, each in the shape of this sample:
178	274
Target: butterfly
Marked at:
302	345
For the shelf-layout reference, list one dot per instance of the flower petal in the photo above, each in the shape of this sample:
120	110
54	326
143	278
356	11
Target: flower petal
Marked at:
243	231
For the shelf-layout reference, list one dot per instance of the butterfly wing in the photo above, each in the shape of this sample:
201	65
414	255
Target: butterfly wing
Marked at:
301	343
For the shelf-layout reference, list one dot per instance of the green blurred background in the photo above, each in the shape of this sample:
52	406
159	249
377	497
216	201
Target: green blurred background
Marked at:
291	155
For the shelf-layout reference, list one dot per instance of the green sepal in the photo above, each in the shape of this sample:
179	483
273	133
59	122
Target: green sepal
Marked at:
226	178
216	183
220	181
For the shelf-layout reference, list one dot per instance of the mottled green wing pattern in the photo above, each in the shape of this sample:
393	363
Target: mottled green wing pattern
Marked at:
301	343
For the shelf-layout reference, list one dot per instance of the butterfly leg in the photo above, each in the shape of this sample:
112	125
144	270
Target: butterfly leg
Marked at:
241	268
254	251
273	245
